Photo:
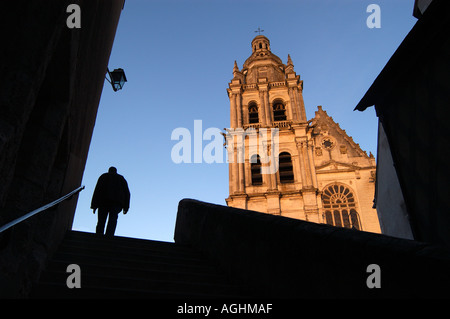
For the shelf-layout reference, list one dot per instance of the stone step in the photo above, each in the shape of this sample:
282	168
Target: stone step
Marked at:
174	264
122	267
168	284
57	291
199	274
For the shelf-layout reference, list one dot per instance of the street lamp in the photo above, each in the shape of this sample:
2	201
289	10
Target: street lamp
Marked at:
118	79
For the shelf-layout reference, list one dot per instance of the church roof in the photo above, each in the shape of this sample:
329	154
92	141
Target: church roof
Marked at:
322	121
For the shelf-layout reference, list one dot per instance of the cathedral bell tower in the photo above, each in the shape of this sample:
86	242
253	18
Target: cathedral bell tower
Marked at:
267	94
281	163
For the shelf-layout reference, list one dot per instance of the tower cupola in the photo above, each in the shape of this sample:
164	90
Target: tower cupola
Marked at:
260	43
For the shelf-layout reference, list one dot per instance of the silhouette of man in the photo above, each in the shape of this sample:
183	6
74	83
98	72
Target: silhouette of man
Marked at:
111	195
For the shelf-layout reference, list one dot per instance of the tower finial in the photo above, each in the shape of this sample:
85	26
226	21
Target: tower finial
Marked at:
259	31
289	61
289	65
236	73
235	66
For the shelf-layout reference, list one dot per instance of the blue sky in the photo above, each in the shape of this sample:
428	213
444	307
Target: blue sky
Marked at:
178	57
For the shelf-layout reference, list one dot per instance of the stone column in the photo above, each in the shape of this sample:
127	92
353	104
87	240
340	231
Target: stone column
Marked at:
239	122
262	109
294	106
247	173
241	177
312	166
309	186
267	107
273	177
244	111
230	176
301	159
290	114
232	110
266	176
301	105
233	166
305	158
240	136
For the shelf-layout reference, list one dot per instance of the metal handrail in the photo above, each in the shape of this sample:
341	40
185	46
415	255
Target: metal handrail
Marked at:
45	207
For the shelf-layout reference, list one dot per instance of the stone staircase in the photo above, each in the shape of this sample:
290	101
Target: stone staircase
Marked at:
122	267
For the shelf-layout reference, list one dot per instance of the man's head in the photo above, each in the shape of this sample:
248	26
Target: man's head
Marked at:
112	170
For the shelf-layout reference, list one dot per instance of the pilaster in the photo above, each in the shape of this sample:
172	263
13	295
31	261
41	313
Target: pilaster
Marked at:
273	202
235	95
263	88
238	201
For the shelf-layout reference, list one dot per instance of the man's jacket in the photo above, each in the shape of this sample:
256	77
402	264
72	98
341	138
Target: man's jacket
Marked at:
111	191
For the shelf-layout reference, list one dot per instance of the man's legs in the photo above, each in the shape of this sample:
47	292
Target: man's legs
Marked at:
102	215
112	221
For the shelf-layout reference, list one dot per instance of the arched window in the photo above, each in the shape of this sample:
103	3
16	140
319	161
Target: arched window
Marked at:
279	111
340	207
253	116
255	167
285	169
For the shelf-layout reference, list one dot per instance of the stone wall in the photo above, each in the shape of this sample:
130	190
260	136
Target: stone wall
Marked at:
282	257
53	77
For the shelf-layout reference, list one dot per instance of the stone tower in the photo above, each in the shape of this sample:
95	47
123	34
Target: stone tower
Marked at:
305	169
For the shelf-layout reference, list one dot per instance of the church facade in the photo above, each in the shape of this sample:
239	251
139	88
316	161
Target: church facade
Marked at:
284	164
